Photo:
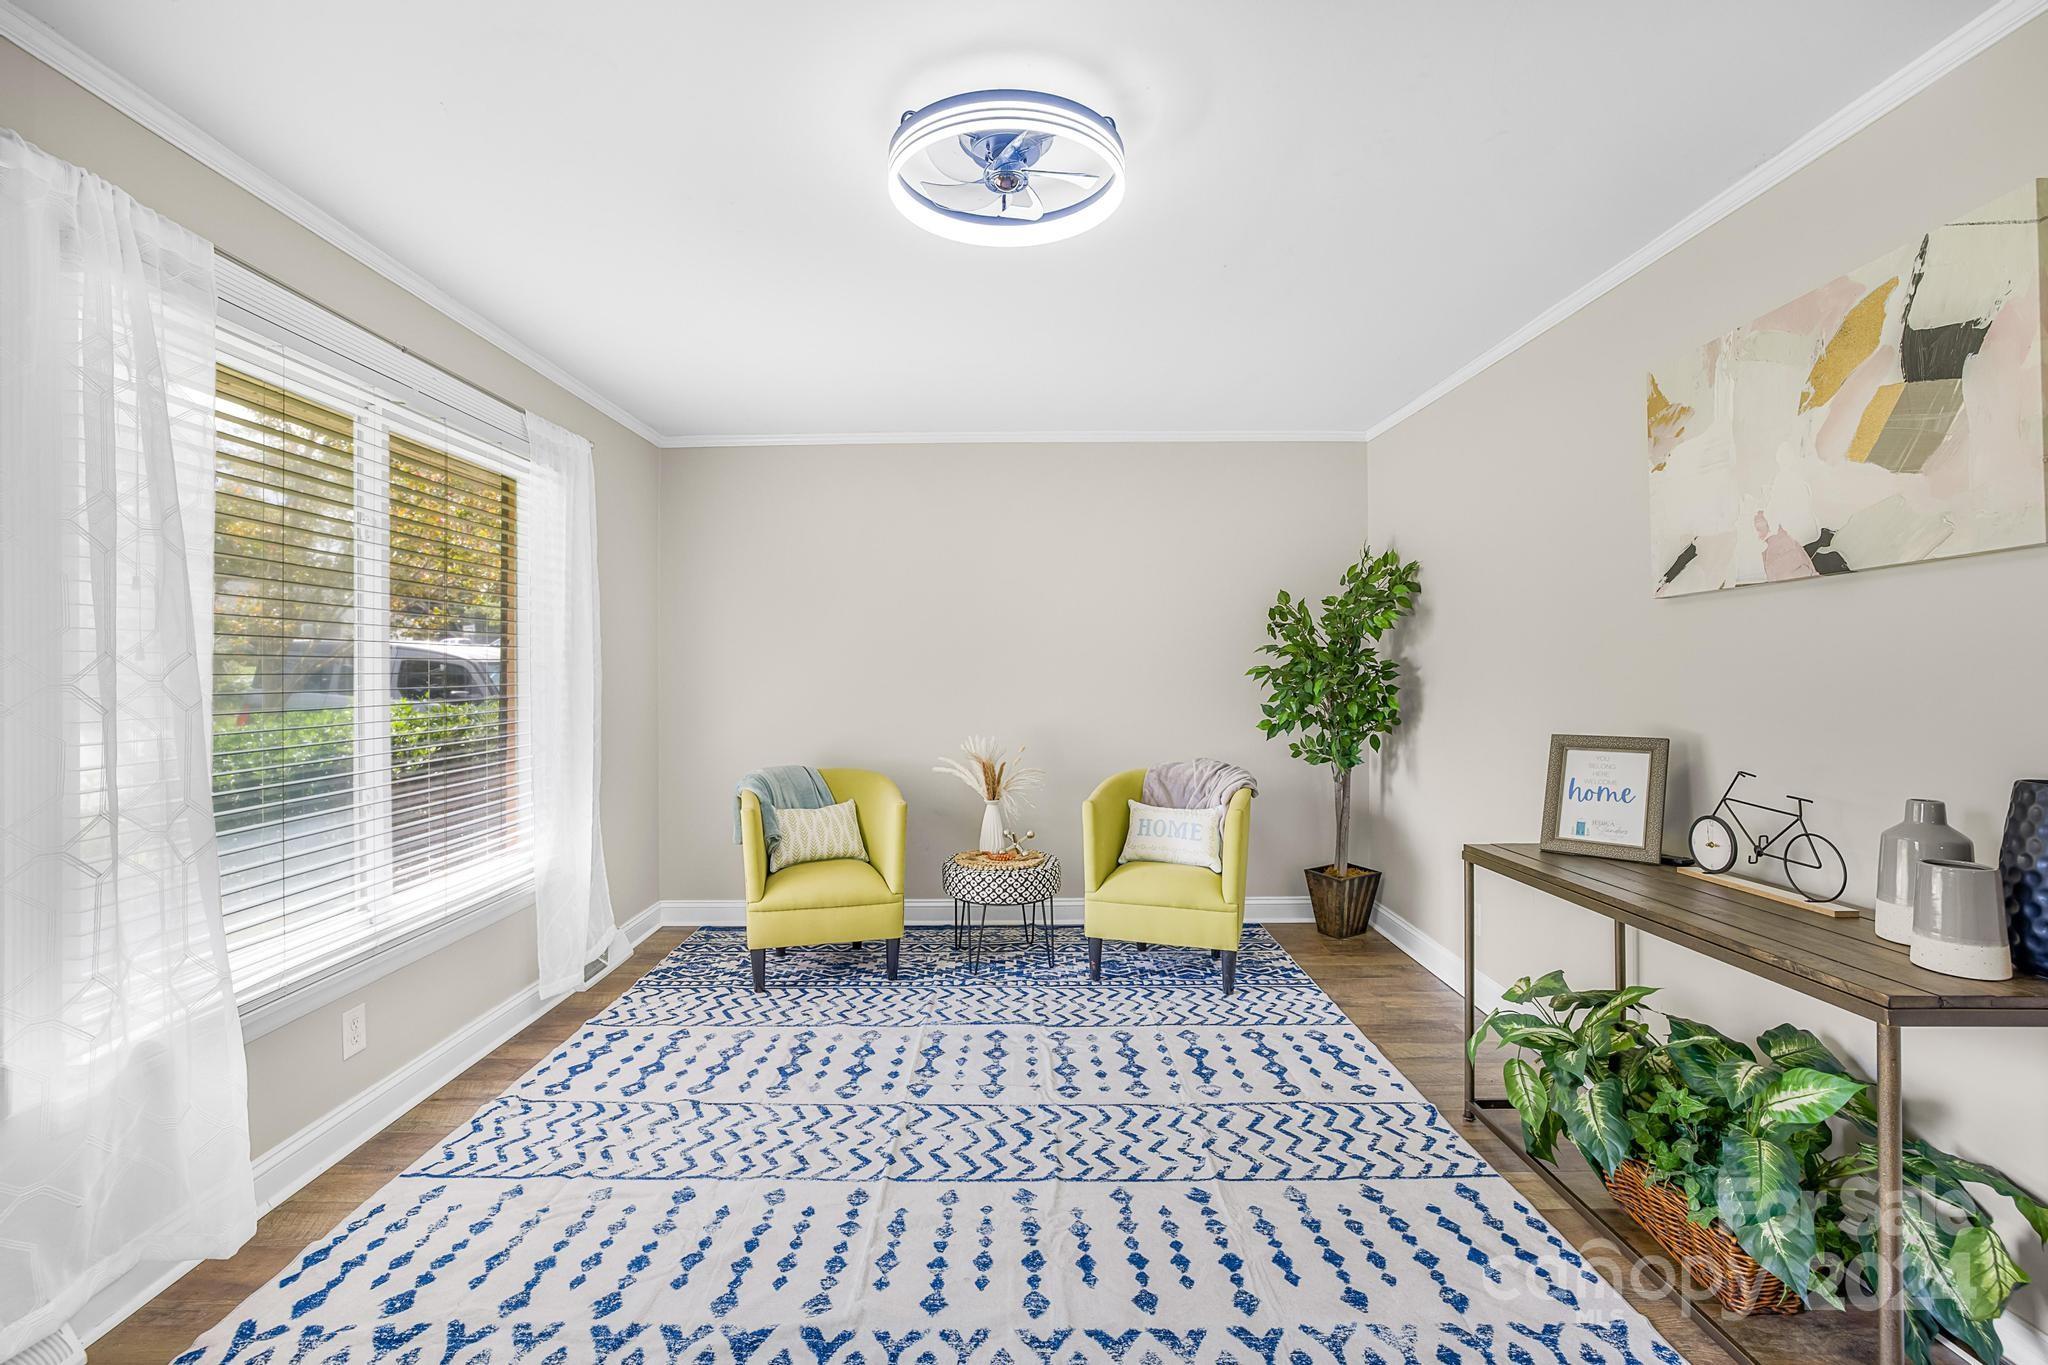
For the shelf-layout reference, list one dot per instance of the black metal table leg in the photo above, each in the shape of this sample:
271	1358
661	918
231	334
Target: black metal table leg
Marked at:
1891	1299
1039	914
1471	1008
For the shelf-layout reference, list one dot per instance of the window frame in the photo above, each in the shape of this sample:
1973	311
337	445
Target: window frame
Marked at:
269	1013
380	410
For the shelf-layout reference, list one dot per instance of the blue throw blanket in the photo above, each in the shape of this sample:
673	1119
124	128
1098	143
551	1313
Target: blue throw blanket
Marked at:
790	786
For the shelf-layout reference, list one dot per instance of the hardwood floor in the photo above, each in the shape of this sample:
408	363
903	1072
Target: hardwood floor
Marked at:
1409	1014
169	1323
1416	1021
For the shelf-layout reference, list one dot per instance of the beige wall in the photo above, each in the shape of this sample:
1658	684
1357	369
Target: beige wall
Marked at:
1523	492
861	606
295	1073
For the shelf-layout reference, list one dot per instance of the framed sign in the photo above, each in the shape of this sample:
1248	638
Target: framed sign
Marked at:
1605	796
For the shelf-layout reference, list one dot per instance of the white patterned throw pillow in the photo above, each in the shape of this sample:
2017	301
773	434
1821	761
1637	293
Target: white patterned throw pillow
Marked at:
812	836
1163	835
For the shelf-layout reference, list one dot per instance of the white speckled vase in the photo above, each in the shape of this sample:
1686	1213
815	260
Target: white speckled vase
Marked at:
1959	921
1924	833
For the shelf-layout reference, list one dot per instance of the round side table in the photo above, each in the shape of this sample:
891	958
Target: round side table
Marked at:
977	885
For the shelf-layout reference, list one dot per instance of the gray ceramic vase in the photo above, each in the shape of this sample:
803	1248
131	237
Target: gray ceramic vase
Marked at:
2023	868
1924	833
1959	920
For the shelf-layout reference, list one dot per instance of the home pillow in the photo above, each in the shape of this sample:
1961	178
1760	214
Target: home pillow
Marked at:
812	836
1160	834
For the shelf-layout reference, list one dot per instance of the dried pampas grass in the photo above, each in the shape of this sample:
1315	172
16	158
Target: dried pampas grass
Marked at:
991	772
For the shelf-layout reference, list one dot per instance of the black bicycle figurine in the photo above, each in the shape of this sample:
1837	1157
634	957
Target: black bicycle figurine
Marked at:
1813	865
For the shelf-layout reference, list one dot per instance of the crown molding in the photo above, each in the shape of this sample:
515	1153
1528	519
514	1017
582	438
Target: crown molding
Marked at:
56	51
1909	80
913	438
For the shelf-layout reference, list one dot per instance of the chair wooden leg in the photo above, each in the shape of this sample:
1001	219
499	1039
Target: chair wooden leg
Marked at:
893	951
1095	959
1215	953
782	952
759	957
1229	971
858	944
1146	947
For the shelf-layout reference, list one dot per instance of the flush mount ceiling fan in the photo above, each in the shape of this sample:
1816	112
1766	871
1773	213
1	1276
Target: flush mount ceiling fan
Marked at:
1006	167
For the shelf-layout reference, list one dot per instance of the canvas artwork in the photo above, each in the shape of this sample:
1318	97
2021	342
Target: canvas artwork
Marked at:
1892	415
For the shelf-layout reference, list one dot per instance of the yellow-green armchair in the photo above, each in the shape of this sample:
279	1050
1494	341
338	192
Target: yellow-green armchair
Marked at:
841	900
1148	903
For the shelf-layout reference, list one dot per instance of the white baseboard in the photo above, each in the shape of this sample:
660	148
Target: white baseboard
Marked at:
1445	964
934	910
2025	1344
294	1163
641	925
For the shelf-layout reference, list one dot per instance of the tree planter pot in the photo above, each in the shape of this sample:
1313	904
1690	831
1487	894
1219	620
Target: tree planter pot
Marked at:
1711	1256
1343	905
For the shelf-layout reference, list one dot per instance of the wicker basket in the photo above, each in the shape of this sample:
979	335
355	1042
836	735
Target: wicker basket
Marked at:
1712	1258
985	862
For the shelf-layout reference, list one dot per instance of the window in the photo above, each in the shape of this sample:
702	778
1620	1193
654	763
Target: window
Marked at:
453	563
366	756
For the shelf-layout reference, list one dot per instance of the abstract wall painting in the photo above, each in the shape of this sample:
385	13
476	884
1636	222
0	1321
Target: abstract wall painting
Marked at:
1891	416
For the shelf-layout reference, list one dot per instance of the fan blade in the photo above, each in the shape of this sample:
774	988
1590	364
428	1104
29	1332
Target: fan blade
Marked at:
1024	204
1080	177
1028	147
950	157
969	197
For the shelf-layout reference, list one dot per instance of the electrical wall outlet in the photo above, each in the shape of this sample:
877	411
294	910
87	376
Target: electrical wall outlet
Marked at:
355	1031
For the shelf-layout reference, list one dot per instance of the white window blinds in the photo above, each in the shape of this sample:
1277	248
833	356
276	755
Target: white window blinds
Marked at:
366	757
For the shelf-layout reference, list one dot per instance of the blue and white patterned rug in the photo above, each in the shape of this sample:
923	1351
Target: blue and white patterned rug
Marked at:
1015	1167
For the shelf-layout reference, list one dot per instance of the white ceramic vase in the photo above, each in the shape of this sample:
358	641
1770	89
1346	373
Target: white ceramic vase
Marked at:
992	827
1959	921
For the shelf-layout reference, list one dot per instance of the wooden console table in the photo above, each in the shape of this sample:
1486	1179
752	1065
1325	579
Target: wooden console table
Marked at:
1841	961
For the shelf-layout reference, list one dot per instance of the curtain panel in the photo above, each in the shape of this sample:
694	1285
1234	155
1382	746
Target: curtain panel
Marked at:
559	684
123	1102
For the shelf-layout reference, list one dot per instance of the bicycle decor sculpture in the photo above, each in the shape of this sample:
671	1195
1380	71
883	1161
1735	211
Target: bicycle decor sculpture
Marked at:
1812	864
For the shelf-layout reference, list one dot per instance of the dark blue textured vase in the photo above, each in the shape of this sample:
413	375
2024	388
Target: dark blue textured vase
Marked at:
2023	867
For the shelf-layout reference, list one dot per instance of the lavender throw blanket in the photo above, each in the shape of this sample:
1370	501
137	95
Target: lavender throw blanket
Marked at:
1195	784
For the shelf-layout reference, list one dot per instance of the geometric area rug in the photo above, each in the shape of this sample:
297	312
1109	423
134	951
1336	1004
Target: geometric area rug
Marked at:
1013	1166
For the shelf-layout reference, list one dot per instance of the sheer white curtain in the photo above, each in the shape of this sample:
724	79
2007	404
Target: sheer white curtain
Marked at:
559	678
123	1103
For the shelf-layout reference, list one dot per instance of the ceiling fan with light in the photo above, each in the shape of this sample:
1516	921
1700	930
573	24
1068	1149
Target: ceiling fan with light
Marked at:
1006	167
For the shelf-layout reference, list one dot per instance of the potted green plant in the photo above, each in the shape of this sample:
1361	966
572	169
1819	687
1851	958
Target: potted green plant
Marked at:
1328	685
1728	1155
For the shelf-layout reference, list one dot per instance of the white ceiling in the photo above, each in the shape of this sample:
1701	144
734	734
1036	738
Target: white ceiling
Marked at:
1332	206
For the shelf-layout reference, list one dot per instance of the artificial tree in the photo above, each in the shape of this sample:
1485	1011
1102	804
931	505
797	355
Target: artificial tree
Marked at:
1328	685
